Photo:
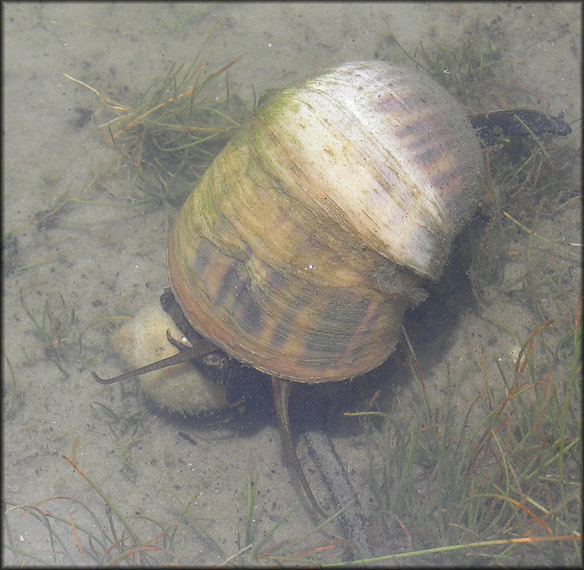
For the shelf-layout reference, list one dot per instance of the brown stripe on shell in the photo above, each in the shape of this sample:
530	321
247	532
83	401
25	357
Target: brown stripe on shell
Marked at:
430	151
218	271
226	287
362	331
248	311
284	325
345	346
388	103
445	180
326	338
202	257
425	133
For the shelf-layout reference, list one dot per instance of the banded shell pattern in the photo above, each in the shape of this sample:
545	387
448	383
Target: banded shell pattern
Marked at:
309	235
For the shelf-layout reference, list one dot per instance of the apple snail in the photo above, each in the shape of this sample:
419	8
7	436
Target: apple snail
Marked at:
312	232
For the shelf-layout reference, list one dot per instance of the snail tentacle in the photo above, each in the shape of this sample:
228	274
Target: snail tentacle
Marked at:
182	346
281	396
186	354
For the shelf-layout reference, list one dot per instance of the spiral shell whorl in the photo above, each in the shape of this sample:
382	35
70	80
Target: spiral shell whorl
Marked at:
305	240
400	143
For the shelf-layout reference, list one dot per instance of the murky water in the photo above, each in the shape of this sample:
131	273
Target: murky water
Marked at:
98	255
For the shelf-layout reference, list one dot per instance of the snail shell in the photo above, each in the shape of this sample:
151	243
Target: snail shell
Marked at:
309	235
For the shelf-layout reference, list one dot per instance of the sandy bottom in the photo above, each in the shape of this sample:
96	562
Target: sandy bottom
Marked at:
107	259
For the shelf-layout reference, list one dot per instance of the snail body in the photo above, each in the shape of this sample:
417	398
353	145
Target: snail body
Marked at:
309	235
